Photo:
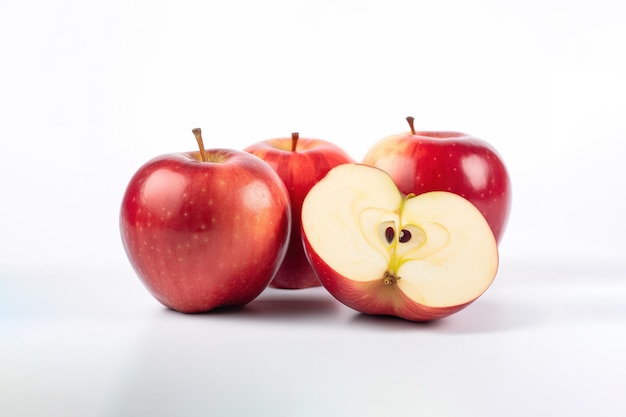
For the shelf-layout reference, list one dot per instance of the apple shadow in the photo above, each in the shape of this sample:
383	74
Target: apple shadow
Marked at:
314	305
489	316
390	323
294	306
483	316
277	305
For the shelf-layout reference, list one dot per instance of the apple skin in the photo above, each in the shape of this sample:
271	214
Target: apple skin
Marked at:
374	297
455	162
300	170
202	235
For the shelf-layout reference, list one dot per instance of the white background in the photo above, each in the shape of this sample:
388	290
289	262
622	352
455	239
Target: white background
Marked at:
90	90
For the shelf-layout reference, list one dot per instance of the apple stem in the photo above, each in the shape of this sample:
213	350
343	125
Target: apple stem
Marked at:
197	132
294	141
410	119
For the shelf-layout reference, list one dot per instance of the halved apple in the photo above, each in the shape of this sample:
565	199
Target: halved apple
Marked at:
381	252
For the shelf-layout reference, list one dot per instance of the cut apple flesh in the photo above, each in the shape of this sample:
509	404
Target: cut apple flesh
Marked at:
436	248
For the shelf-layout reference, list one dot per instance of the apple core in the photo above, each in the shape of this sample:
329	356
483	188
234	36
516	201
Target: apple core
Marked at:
408	238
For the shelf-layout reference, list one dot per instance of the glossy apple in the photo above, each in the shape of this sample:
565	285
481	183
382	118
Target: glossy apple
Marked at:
301	163
447	161
381	252
205	229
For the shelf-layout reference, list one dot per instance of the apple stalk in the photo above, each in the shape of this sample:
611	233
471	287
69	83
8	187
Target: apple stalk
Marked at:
411	121
197	132
294	141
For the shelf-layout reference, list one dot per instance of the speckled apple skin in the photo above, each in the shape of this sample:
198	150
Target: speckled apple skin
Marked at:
300	170
202	235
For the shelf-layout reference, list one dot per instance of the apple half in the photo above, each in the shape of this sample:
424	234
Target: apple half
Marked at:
381	252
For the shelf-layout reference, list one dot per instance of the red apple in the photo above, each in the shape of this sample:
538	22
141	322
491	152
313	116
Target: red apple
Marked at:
205	229
301	163
447	161
381	252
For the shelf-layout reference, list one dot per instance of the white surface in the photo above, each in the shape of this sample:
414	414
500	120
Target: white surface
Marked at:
91	90
542	341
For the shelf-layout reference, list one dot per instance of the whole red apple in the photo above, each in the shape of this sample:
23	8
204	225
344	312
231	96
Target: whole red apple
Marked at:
426	161
381	252
301	163
205	229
